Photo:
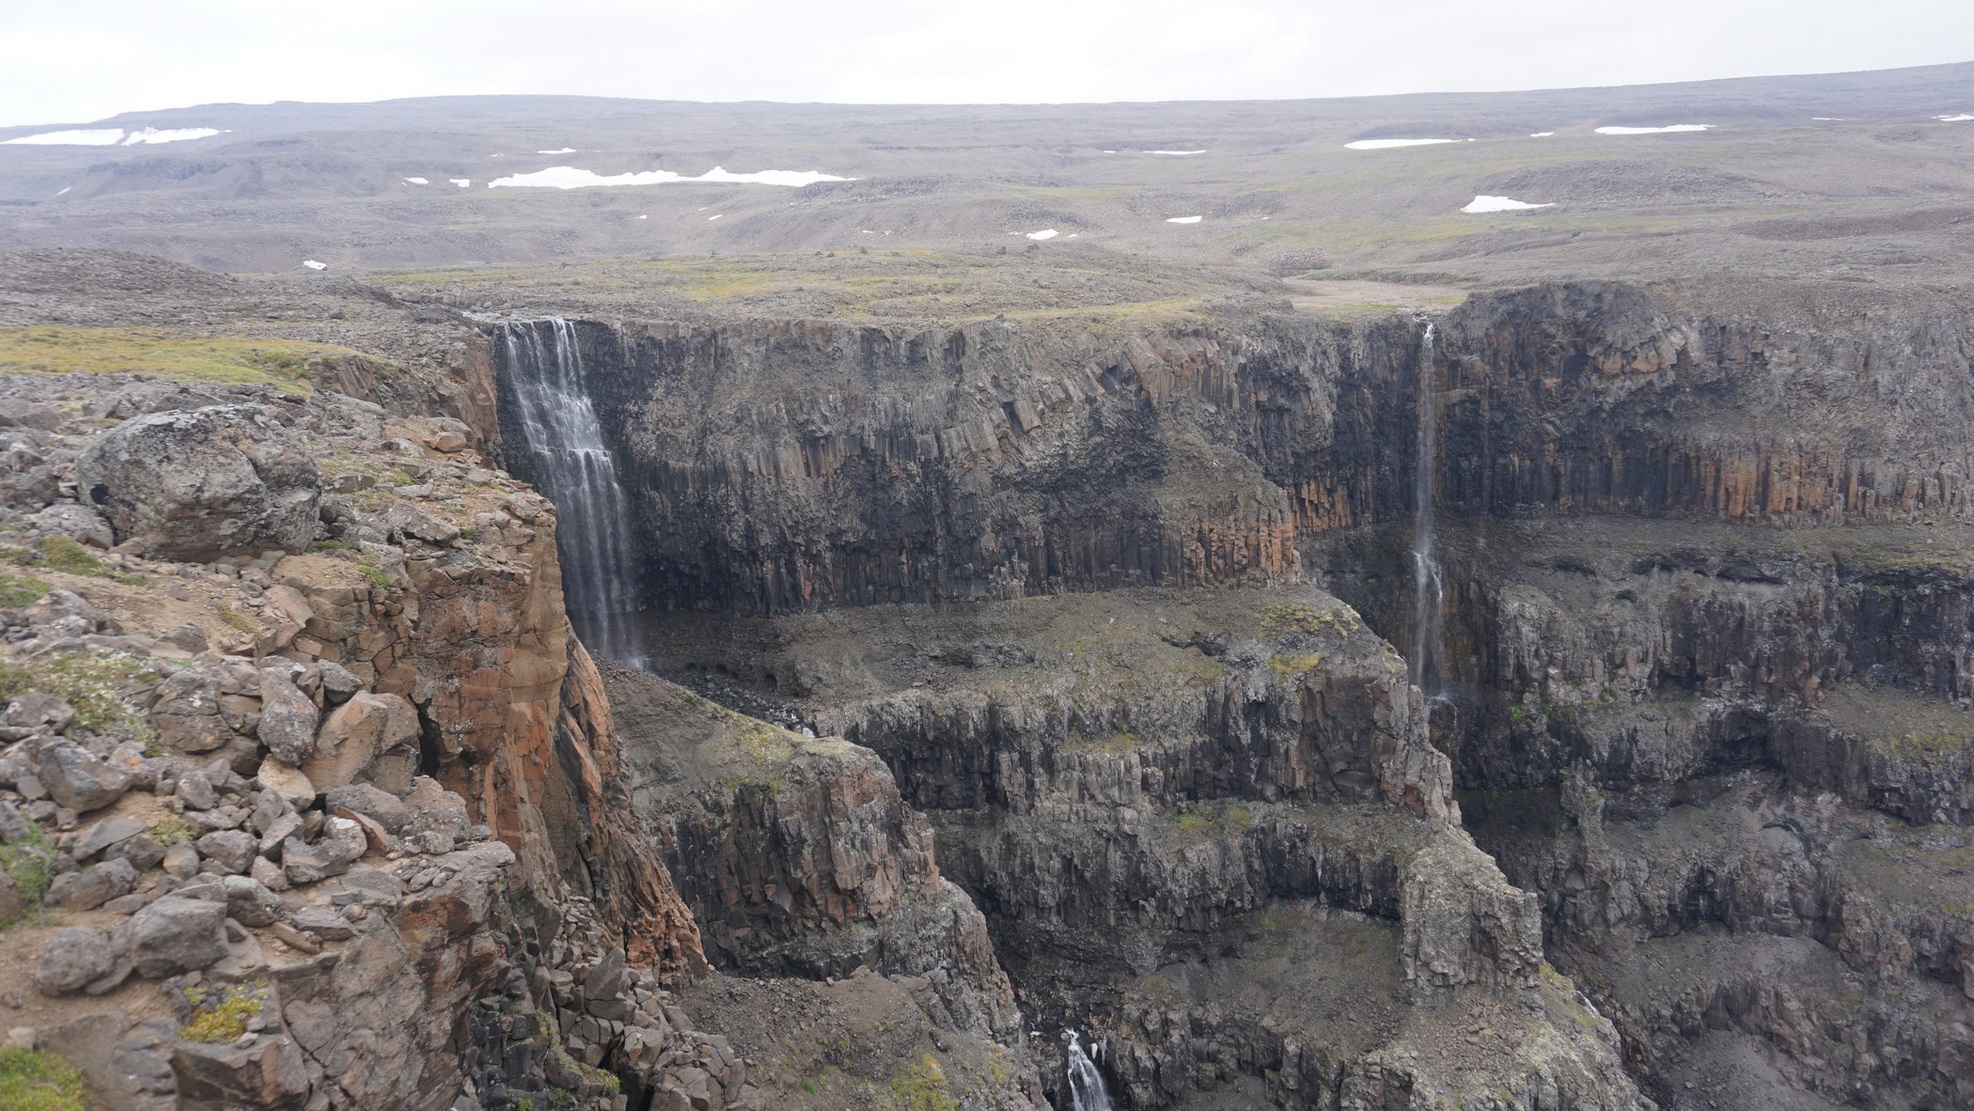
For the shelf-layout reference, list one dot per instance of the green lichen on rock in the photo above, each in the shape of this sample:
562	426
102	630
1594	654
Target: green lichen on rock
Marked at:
36	1080
92	682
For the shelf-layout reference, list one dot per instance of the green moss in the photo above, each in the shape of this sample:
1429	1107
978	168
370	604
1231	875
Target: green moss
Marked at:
221	1014
89	681
920	1087
60	553
239	620
317	547
171	831
68	350
35	1080
1212	821
1290	665
30	863
20	591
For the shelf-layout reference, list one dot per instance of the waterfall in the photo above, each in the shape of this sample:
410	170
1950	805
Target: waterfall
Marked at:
1428	586
1086	1085
568	461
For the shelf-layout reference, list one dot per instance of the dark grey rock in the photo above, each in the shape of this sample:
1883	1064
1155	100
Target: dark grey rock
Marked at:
287	718
232	850
103	834
174	935
72	958
200	484
77	779
35	712
361	798
93	886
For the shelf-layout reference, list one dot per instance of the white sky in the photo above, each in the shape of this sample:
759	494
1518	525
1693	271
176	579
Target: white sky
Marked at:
84	60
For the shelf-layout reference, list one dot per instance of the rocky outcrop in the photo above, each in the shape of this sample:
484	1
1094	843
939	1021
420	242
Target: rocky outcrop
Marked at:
202	484
799	857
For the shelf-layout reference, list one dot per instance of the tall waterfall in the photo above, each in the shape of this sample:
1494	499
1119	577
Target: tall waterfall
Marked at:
1086	1085
568	461
1428	652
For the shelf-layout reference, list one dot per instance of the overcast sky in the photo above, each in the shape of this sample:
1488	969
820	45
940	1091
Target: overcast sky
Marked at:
86	59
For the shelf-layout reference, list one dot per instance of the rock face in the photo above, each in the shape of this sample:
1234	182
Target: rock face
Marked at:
205	483
797	855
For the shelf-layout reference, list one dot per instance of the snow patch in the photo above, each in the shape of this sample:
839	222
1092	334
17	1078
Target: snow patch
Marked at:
1484	203
1182	219
314	265
65	189
1388	144
82	137
716	215
1540	134
1827	119
569	177
1045	233
559	150
1175	152
1671	127
1962	117
644	217
169	135
462	182
416	181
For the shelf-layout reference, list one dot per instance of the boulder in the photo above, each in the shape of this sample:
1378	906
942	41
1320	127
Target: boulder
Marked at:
74	777
105	833
230	850
386	809
288	718
78	522
74	958
200	484
35	712
93	886
249	902
288	782
186	713
175	935
356	733
268	1073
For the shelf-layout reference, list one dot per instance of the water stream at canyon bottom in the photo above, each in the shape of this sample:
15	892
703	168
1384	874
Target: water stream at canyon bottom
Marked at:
1428	645
569	462
1087	1091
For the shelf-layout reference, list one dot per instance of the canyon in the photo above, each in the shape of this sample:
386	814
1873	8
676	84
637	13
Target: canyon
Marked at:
1528	670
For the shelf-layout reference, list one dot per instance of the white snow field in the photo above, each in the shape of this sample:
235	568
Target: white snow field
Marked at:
1654	130
1389	144
569	177
1483	202
1182	219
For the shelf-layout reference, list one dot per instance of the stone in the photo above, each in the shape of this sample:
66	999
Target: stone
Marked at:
187	638
355	734
76	778
304	863
12	901
73	958
362	798
338	682
105	833
143	851
249	901
232	850
267	1072
174	935
285	825
93	886
200	484
287	781
35	712
77	522
181	860
323	923
195	790
268	874
288	718
14	826
187	712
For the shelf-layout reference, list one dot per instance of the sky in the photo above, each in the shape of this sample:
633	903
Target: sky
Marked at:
85	60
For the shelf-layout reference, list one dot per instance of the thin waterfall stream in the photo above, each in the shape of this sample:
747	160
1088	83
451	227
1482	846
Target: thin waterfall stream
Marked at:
1087	1091
1428	648
569	462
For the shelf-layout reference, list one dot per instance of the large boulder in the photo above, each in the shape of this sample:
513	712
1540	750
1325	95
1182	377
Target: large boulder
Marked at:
356	738
78	779
201	484
174	935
